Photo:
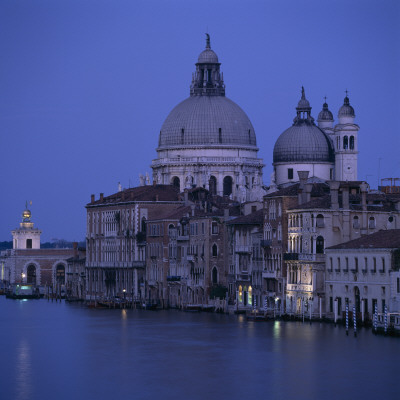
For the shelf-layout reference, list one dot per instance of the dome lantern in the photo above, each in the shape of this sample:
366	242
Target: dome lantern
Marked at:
207	79
303	110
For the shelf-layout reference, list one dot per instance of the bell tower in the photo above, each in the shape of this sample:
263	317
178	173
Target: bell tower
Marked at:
345	140
26	236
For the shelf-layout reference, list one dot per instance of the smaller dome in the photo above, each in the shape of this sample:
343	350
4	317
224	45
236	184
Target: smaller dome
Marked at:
207	56
325	114
26	215
346	110
303	103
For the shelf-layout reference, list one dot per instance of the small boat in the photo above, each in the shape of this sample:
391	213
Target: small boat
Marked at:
23	292
256	318
193	308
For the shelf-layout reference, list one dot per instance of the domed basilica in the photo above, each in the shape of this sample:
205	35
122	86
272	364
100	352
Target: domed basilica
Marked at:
327	152
208	141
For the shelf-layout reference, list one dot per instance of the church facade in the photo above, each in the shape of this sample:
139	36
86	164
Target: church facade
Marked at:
325	151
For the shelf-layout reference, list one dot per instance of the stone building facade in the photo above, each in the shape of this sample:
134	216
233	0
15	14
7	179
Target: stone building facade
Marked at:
116	238
187	252
364	273
28	263
348	212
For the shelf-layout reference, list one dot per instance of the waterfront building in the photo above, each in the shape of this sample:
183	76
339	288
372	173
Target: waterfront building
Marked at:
364	273
275	237
326	151
76	275
28	263
246	259
187	251
348	212
116	238
208	141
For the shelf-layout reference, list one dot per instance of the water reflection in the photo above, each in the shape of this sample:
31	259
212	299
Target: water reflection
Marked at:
65	351
23	375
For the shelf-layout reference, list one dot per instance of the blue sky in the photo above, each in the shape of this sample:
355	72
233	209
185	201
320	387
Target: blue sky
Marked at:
86	85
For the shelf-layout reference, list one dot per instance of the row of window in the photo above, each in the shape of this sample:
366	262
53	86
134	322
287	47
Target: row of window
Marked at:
338	266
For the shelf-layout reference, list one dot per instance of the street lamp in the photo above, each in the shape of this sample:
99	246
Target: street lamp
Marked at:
22	276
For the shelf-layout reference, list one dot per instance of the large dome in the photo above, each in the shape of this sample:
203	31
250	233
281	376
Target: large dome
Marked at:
303	143
207	120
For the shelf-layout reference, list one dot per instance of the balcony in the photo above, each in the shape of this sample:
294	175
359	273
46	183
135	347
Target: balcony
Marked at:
269	274
137	264
291	256
173	278
319	257
266	243
243	277
182	238
243	249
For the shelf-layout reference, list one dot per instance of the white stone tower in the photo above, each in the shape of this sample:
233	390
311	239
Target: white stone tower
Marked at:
345	140
26	236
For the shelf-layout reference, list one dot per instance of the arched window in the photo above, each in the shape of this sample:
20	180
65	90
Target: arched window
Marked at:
214	276
214	250
143	225
176	182
250	296
227	186
356	222
345	143
31	274
351	142
220	135
320	245
212	184
371	223
320	221
171	230
240	294
60	274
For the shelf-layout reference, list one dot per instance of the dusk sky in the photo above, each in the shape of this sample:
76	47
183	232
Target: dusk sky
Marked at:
86	85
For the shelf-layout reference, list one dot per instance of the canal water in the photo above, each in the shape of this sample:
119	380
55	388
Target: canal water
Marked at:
58	351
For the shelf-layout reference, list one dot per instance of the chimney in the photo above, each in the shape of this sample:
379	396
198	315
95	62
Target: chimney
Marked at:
345	198
92	198
123	195
364	188
308	191
101	196
186	197
334	192
301	194
226	213
75	247
156	197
